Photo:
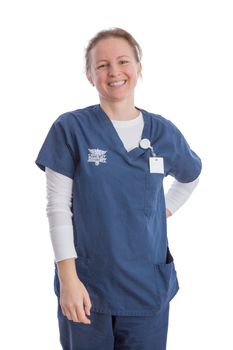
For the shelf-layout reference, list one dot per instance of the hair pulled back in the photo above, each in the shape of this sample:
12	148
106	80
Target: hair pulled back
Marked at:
113	33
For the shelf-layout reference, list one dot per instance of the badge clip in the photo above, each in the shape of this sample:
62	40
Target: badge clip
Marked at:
156	164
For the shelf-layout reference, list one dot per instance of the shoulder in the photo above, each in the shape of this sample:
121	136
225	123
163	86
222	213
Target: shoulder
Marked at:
160	122
70	117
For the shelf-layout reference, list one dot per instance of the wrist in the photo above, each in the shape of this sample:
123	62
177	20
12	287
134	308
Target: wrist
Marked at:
67	270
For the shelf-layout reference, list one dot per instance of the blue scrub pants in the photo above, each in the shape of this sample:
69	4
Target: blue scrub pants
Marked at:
110	332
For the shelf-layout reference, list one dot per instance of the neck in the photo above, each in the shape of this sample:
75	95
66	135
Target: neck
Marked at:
122	110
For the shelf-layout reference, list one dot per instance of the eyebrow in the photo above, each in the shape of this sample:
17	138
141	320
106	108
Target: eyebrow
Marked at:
117	58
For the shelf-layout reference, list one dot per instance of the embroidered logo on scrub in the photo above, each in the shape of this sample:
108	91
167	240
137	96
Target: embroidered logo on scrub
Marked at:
97	156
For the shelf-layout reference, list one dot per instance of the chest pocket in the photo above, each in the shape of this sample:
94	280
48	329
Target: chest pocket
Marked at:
153	192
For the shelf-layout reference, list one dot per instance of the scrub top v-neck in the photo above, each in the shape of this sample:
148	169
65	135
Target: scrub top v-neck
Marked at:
119	214
111	131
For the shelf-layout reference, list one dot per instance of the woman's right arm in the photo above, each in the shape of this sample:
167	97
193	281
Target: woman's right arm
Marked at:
74	298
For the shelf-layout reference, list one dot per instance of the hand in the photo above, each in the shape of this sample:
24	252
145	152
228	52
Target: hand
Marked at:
168	213
74	300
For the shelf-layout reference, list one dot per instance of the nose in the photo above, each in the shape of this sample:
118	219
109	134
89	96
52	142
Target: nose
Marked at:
113	71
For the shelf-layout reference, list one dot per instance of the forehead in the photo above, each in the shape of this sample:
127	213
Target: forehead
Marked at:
111	48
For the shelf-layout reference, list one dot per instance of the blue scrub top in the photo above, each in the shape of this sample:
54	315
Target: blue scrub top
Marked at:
119	214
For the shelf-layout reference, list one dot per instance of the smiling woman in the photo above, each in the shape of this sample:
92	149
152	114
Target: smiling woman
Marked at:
114	70
105	165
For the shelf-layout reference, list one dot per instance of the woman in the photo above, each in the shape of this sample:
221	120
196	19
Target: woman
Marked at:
105	165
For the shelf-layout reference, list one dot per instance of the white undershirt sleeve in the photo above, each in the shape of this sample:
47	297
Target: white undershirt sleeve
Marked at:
178	194
59	201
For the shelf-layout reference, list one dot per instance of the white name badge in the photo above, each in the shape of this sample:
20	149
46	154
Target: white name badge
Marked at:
156	165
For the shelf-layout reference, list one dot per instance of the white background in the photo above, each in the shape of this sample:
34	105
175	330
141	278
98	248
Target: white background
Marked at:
187	77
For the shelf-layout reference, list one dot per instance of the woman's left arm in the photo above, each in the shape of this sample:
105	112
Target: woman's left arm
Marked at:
178	194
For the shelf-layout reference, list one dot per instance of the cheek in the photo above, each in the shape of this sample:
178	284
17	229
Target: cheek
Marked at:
95	75
100	78
132	73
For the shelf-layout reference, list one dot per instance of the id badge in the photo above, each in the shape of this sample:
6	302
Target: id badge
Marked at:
156	165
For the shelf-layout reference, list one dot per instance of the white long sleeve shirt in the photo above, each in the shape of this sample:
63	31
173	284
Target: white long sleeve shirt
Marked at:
59	194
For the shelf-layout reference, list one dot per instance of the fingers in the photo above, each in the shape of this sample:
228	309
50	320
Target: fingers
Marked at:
77	312
81	315
71	314
87	304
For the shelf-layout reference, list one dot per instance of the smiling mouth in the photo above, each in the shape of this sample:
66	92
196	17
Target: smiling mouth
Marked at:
117	83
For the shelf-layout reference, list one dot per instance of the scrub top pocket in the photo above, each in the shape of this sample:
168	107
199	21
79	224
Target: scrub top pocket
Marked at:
166	283
153	188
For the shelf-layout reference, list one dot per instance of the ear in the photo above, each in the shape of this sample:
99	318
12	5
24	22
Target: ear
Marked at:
139	69
88	75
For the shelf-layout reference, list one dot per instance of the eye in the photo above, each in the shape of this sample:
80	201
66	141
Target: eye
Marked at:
124	61
102	66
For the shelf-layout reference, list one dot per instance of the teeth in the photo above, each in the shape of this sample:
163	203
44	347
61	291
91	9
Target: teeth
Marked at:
117	83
